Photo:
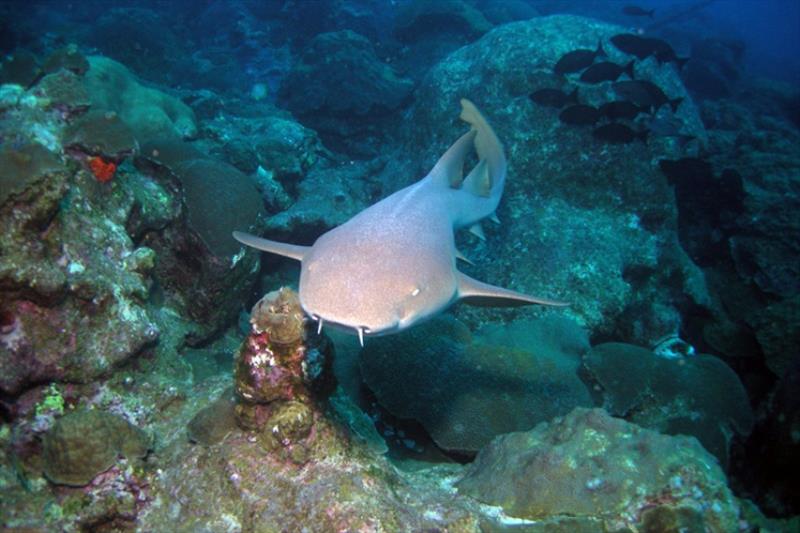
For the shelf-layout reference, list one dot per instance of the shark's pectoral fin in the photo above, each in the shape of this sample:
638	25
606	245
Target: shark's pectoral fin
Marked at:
292	251
476	292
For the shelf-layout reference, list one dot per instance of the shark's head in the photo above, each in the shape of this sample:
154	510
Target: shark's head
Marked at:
369	293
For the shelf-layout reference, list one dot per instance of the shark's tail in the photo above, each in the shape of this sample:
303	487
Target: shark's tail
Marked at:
490	153
475	196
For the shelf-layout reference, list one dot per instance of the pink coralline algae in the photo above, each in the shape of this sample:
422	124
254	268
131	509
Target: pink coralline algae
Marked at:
281	369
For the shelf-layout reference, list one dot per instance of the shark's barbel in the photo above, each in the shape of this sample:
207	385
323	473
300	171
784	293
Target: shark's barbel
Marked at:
394	264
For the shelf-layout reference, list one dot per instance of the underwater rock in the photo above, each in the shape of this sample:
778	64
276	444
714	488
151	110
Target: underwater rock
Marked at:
214	422
418	19
339	73
467	390
281	372
692	395
330	483
85	443
329	195
72	283
200	266
219	199
151	114
341	89
754	271
607	246
287	148
604	474
142	40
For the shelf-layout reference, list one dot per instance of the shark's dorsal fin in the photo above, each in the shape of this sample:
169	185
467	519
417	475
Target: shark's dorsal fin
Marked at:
292	251
476	292
449	169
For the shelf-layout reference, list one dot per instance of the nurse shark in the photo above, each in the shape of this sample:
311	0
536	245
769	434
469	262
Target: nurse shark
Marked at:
393	264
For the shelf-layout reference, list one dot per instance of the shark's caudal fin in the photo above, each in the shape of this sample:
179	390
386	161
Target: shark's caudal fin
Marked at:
476	292
292	251
489	150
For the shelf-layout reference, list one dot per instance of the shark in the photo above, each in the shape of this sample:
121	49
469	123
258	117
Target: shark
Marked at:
393	265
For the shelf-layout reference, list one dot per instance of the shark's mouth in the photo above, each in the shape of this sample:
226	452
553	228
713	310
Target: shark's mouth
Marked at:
360	331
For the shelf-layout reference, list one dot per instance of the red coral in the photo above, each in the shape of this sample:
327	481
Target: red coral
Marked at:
103	170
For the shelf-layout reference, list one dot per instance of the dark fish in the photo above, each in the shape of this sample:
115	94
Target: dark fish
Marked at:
621	110
645	94
606	71
619	134
694	177
636	11
643	47
554	97
580	115
686	170
578	60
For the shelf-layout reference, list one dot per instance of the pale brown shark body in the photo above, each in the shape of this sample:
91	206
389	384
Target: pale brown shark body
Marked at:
394	264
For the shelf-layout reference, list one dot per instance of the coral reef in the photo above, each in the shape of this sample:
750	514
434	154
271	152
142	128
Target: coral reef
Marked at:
82	444
279	369
122	294
589	471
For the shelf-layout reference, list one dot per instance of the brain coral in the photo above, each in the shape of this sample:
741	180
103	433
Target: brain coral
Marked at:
85	443
697	395
150	113
101	133
466	391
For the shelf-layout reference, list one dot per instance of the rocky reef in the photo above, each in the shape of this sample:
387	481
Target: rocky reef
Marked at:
137	393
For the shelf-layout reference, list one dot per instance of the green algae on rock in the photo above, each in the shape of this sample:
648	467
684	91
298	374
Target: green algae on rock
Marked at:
85	443
604	473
